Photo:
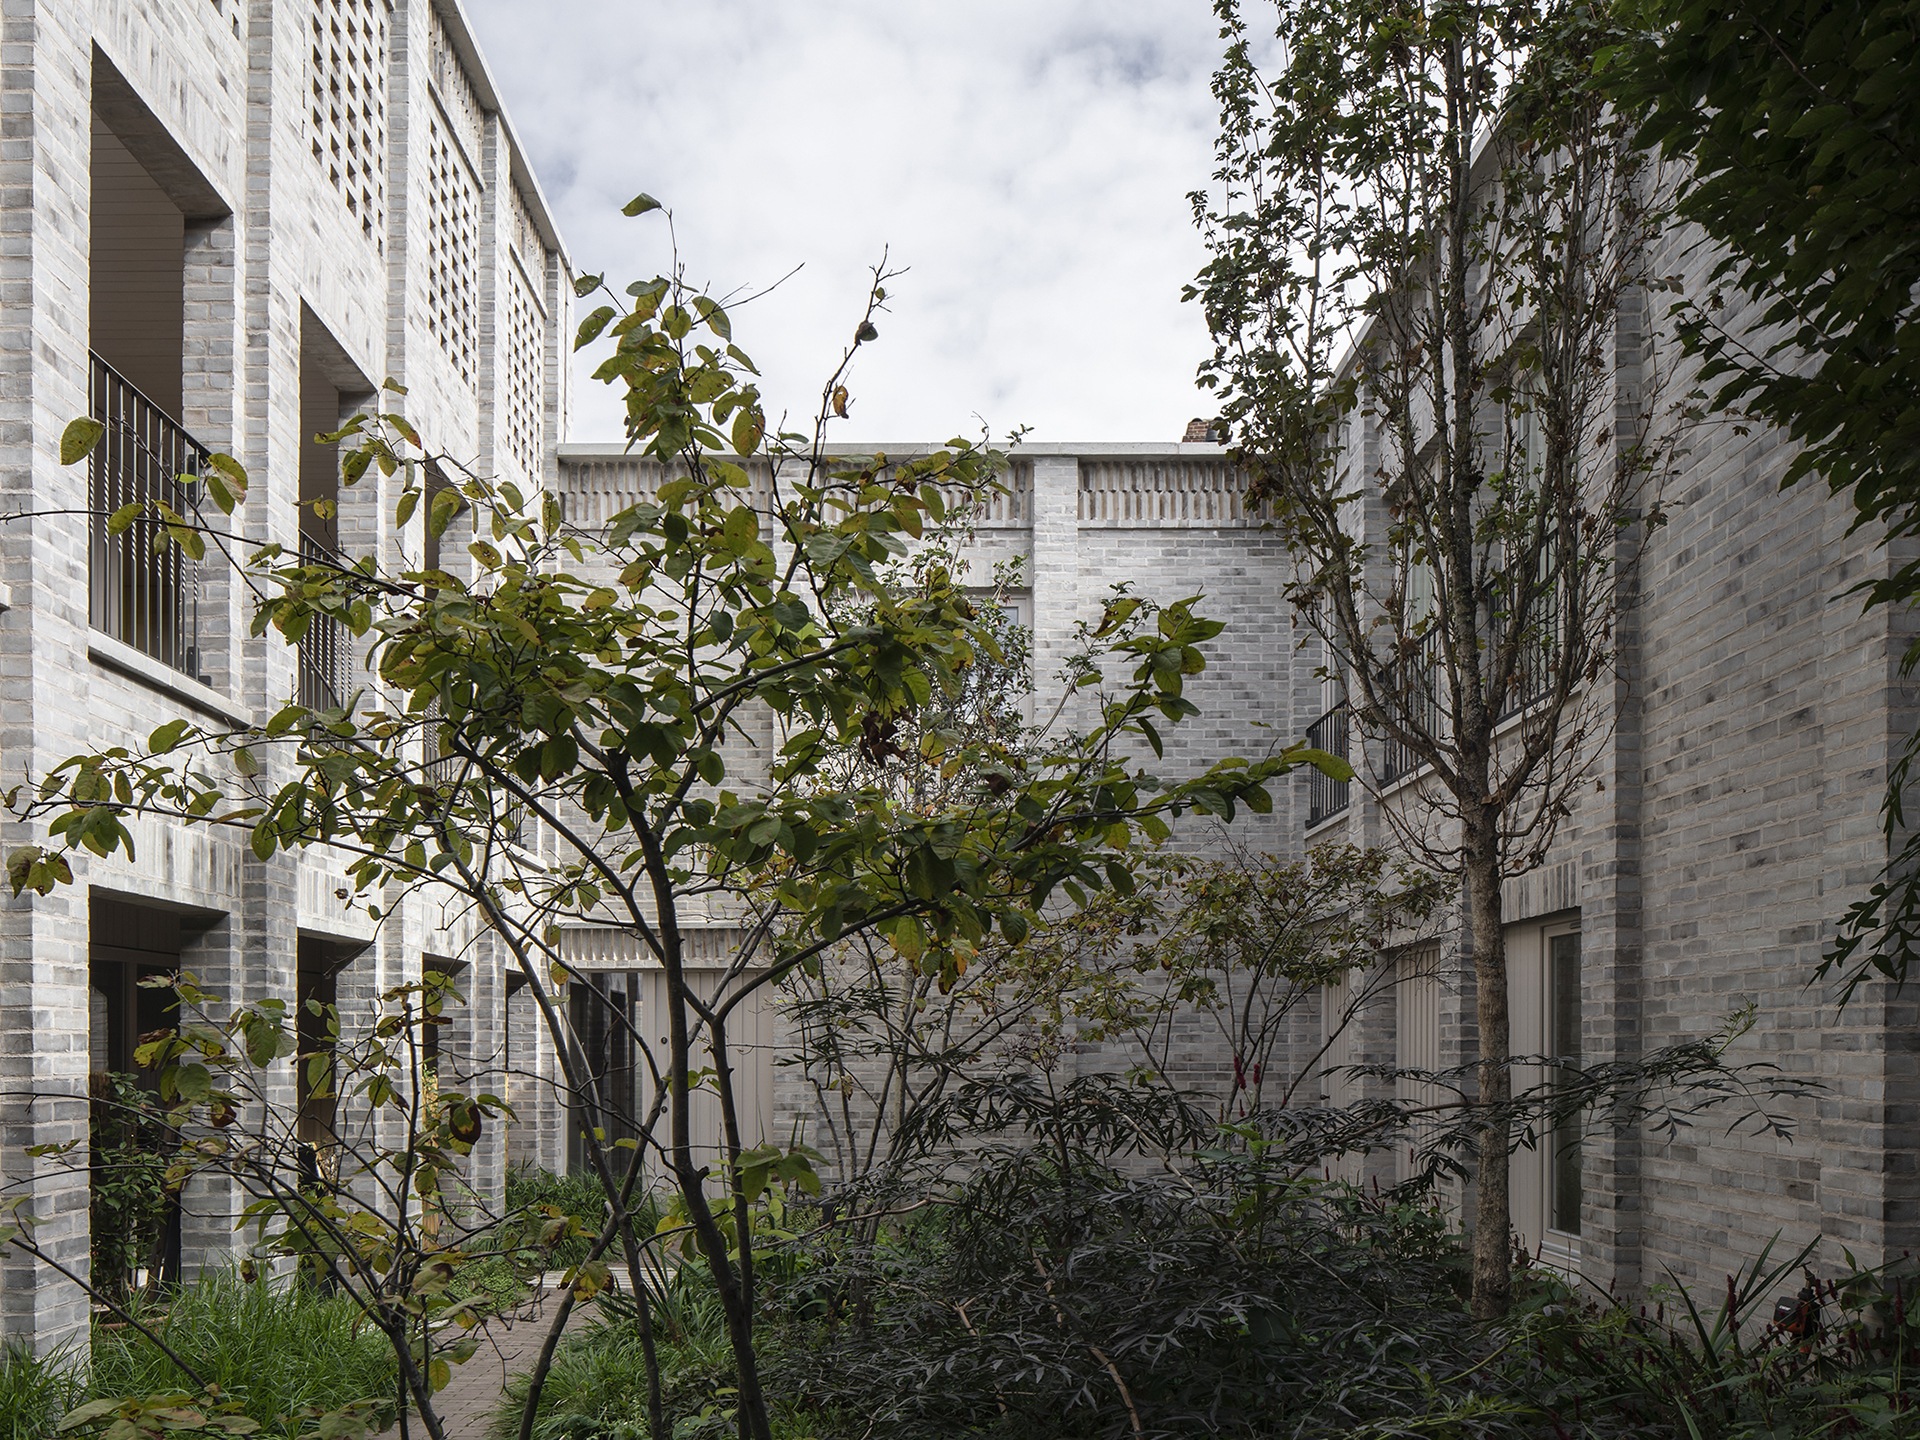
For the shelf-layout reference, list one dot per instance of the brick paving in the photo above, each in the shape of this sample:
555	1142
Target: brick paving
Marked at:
510	1345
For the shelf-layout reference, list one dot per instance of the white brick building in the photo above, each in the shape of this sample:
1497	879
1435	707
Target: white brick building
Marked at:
226	224
1729	817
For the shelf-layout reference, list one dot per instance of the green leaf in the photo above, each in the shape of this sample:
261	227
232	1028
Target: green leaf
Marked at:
233	470
639	205
585	285
1329	765
166	737
749	428
715	317
591	327
188	539
79	438
447	504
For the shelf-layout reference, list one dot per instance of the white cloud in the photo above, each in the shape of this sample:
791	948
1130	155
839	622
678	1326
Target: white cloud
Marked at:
1028	162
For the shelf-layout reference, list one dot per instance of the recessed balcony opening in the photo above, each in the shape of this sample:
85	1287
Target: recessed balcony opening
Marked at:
134	1217
142	593
318	963
602	1010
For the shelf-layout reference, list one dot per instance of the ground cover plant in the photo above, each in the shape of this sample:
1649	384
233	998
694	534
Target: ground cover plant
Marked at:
36	1391
281	1355
284	1351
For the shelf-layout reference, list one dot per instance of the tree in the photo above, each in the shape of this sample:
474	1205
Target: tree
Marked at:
1799	147
591	682
1252	945
1429	234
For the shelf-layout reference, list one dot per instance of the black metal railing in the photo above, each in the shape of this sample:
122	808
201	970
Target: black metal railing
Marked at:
1326	796
1538	653
1414	683
326	650
142	593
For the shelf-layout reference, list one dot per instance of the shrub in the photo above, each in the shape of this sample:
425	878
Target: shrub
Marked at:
1058	1287
1783	1353
579	1196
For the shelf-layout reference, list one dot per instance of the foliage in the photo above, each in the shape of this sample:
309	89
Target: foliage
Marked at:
578	1197
1246	942
1060	1288
1796	129
36	1391
1088	1260
595	681
1796	126
598	1383
1428	241
1250	943
872	1038
1784	1352
597	1387
372	1227
129	1197
285	1352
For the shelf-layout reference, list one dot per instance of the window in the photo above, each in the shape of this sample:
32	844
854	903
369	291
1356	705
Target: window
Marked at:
1564	1045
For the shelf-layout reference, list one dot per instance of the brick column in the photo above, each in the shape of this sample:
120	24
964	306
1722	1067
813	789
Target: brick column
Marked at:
44	172
1056	574
209	411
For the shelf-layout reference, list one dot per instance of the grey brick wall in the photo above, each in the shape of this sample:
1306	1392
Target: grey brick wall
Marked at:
213	100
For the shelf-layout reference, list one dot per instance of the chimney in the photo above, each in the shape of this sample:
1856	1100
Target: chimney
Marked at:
1202	432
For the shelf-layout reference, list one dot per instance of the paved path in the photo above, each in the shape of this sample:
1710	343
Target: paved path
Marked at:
509	1345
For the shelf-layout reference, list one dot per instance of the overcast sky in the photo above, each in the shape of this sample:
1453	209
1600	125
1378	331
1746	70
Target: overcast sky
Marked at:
1027	160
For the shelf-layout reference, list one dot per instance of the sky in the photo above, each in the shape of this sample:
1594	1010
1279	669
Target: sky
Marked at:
1027	162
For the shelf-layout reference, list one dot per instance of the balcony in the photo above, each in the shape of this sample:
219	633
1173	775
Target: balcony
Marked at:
325	651
1416	679
1326	796
1539	651
142	594
1412	679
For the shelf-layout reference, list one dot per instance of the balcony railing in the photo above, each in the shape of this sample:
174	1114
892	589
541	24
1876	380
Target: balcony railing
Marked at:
1533	670
326	653
142	594
1414	680
1326	796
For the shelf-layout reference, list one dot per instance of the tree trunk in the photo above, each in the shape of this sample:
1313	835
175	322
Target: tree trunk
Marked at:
1492	1208
691	1181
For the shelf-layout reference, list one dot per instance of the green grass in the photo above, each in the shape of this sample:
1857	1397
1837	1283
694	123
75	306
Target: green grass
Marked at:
278	1348
35	1391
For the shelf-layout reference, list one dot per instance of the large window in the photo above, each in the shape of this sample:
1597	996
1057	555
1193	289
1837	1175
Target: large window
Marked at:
1563	1045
